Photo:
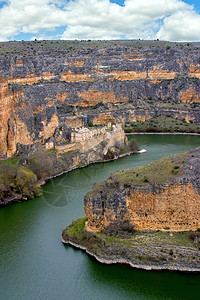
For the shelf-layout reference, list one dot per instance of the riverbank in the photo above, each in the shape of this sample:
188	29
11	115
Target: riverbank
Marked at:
146	217
21	178
148	250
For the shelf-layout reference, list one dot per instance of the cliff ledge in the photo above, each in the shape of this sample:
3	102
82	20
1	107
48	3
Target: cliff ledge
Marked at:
147	217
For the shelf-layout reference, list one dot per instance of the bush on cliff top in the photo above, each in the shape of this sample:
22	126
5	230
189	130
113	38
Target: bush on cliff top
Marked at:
159	172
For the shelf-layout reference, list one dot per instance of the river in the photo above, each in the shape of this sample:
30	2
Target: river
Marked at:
34	264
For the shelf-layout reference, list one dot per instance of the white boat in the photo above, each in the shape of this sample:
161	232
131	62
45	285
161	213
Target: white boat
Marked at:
142	151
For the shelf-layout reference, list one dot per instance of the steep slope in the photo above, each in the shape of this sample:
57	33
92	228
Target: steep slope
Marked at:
162	195
147	217
48	87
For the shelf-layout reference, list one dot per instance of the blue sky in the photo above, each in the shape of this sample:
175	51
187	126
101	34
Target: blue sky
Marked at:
172	20
196	3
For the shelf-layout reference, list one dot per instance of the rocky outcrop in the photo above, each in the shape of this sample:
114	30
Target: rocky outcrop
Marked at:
149	250
42	163
47	88
164	195
189	96
147	217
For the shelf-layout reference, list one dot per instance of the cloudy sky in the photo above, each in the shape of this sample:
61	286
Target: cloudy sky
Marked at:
171	20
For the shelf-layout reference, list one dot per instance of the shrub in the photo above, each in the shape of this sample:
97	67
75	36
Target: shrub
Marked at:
118	145
128	130
110	128
145	179
26	183
174	172
176	167
117	228
133	145
193	236
41	163
90	124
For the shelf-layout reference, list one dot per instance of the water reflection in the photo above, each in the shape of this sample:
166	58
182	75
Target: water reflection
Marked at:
146	284
35	265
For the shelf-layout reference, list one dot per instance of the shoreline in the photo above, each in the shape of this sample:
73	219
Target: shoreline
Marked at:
128	262
42	182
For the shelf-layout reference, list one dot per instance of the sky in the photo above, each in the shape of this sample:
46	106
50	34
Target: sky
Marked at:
171	20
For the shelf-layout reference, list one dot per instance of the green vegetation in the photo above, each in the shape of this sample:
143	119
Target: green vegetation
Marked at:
26	183
51	150
12	161
162	124
75	229
147	237
142	247
110	128
17	180
176	169
90	124
159	171
31	47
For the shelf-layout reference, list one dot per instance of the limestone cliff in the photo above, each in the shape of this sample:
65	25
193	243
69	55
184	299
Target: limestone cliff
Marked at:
164	195
49	87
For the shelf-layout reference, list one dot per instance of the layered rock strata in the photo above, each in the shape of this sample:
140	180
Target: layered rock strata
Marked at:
49	87
164	195
147	217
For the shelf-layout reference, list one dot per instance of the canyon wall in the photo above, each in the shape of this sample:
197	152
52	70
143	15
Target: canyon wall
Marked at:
48	87
164	195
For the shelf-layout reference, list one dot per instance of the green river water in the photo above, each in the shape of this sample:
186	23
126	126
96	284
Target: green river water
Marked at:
34	264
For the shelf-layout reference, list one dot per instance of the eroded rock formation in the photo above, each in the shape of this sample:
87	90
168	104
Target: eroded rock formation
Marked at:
42	82
164	195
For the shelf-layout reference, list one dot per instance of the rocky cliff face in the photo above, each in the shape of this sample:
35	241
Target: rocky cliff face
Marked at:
164	195
41	84
21	176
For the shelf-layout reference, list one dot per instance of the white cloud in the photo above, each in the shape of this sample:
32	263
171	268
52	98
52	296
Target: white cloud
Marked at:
101	19
154	8
30	16
181	26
